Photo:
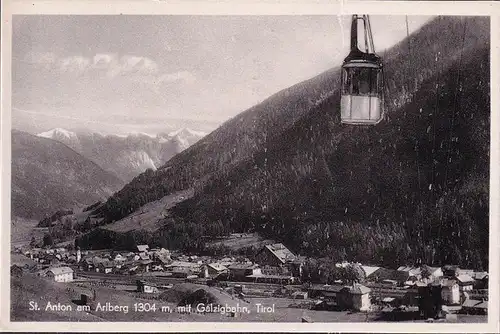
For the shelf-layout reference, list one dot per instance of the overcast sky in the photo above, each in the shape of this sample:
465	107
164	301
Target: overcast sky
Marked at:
154	73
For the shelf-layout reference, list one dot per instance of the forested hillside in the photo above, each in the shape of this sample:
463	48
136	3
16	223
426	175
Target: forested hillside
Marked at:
413	187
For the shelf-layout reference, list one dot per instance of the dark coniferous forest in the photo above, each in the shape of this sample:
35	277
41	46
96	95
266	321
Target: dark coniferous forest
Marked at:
413	188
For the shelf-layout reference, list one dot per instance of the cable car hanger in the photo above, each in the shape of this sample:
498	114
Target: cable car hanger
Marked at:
362	95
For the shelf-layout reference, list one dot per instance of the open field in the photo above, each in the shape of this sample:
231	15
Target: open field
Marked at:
146	217
242	240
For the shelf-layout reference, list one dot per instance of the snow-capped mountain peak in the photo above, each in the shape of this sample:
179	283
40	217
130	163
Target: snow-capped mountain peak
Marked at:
58	133
187	132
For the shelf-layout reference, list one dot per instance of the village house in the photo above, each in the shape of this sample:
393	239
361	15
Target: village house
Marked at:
142	248
408	273
360	297
324	291
481	280
450	292
105	267
274	255
239	271
143	257
465	282
181	272
434	273
61	274
450	271
184	265
87	264
213	270
355	297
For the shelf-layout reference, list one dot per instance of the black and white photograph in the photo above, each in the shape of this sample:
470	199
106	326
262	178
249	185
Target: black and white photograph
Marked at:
250	168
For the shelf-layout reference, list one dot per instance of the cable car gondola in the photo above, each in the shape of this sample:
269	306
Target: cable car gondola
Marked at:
362	80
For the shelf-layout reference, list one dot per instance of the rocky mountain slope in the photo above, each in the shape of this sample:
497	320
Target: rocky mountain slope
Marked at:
126	156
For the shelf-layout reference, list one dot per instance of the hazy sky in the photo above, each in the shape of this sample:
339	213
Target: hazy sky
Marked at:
149	73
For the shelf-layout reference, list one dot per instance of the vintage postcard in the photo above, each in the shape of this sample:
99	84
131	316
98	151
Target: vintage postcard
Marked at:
199	166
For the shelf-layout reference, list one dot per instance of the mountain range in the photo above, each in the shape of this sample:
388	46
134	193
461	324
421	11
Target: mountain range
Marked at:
413	188
48	175
126	155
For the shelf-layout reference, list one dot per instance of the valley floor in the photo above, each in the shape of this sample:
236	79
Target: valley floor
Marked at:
34	298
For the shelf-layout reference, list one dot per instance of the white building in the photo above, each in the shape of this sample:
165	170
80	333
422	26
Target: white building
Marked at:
450	292
61	274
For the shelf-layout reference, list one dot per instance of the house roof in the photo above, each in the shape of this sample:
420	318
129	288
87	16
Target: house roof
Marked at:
409	269
243	266
324	287
184	264
142	248
369	270
360	289
281	252
471	303
282	277
61	270
217	266
480	275
465	278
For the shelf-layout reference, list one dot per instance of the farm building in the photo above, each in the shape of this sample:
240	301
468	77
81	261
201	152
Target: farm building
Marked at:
213	270
61	274
465	282
274	255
